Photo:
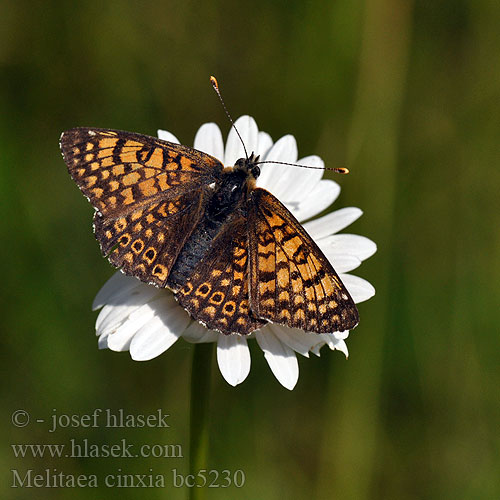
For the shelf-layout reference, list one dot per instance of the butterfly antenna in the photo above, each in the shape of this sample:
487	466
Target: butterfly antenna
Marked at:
339	170
215	85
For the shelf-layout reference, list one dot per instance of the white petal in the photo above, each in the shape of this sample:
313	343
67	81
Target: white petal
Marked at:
321	197
299	340
351	244
119	339
340	262
333	343
332	222
196	333
249	133
165	135
280	357
118	284
300	181
275	175
152	339
265	143
121	305
341	346
209	140
233	357
161	331
102	342
317	348
339	335
359	288
284	149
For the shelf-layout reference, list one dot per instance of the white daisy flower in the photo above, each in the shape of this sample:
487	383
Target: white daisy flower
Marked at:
146	320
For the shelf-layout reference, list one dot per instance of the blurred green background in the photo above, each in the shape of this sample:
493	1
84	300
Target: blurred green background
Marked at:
407	95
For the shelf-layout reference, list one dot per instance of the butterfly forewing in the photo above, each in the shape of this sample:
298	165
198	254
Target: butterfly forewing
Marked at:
118	170
148	195
291	281
217	292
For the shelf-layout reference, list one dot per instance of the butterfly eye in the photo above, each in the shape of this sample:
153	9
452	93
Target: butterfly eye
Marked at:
240	163
256	171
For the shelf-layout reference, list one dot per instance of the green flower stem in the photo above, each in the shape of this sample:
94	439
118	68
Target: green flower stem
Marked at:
200	401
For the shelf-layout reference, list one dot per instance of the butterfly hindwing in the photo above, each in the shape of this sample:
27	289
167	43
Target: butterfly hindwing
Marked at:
148	194
291	282
145	243
216	294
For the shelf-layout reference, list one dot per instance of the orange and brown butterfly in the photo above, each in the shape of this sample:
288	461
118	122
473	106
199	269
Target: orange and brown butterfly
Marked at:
232	253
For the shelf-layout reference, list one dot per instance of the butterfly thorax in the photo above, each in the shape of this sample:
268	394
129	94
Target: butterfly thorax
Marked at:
226	201
227	195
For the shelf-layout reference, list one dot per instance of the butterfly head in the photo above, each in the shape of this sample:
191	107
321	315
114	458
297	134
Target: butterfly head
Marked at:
249	165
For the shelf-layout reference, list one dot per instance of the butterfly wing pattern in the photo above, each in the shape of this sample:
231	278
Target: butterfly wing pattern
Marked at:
233	255
148	195
291	281
217	292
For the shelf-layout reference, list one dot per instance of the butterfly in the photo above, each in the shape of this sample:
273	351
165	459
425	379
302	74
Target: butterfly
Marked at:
232	253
